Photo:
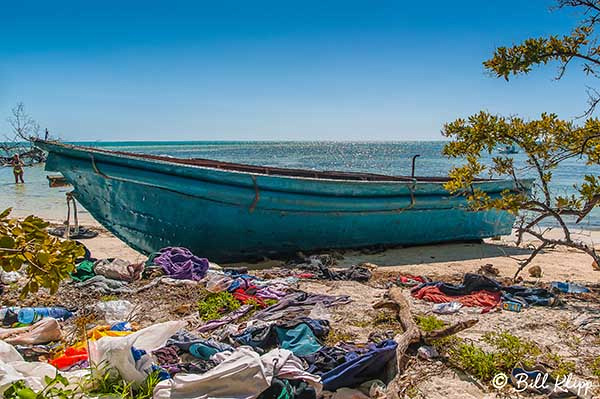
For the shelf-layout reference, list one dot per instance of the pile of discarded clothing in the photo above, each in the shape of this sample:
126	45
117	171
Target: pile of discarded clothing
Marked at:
114	276
322	267
480	291
269	343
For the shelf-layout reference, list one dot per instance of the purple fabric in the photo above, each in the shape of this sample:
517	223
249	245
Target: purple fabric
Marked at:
180	263
270	293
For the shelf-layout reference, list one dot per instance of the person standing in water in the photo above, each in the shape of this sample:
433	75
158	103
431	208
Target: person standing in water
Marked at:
17	165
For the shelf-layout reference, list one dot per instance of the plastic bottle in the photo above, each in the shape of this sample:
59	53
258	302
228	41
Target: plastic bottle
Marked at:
33	315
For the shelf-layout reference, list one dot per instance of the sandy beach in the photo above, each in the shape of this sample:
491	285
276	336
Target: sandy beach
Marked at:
555	330
558	264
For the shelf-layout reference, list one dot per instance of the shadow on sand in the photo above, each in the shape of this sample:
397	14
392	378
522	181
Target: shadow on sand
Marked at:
433	254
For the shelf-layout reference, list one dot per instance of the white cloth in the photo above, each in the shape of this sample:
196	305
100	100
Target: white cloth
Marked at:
244	374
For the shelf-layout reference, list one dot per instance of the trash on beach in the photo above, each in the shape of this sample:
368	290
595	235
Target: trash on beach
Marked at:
427	352
116	311
480	291
535	271
589	324
180	263
83	271
409	280
217	282
9	277
9	315
28	316
321	267
81	233
116	352
242	327
44	331
447	307
118	269
512	306
568	288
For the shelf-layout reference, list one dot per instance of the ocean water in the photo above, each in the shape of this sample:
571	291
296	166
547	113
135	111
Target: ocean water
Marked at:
393	158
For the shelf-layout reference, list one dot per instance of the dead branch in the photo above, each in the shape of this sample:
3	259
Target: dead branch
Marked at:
411	335
24	129
448	331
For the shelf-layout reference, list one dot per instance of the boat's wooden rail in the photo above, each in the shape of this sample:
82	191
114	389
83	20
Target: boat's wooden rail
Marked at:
269	170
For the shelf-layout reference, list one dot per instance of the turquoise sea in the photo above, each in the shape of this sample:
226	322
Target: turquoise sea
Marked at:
378	157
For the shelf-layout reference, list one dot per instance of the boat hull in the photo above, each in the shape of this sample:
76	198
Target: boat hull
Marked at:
232	216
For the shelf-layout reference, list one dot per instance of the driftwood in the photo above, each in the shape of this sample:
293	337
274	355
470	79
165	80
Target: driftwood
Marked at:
31	156
411	335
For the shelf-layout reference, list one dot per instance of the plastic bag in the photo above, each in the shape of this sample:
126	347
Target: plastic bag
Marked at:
217	282
447	307
116	351
9	277
115	311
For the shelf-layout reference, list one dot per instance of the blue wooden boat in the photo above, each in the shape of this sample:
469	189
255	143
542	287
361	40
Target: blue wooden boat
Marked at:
231	212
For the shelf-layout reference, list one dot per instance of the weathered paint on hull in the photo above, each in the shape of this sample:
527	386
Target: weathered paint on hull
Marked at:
230	216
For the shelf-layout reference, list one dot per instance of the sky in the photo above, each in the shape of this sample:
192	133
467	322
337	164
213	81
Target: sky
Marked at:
272	70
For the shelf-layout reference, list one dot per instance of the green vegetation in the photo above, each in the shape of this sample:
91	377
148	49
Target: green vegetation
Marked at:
110	385
385	317
429	323
474	360
595	367
214	305
560	366
56	388
511	350
507	352
107	385
547	142
336	336
47	259
580	48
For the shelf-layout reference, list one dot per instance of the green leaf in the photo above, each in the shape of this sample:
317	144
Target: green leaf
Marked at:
5	213
7	242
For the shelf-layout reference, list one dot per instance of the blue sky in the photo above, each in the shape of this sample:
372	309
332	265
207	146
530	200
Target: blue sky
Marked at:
271	70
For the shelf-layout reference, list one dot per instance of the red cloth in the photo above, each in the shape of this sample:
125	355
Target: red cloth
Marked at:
484	299
409	279
241	295
71	357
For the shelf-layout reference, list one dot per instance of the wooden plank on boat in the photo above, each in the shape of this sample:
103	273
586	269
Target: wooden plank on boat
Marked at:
57	181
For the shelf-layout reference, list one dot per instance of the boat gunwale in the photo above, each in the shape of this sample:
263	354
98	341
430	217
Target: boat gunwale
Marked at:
237	168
